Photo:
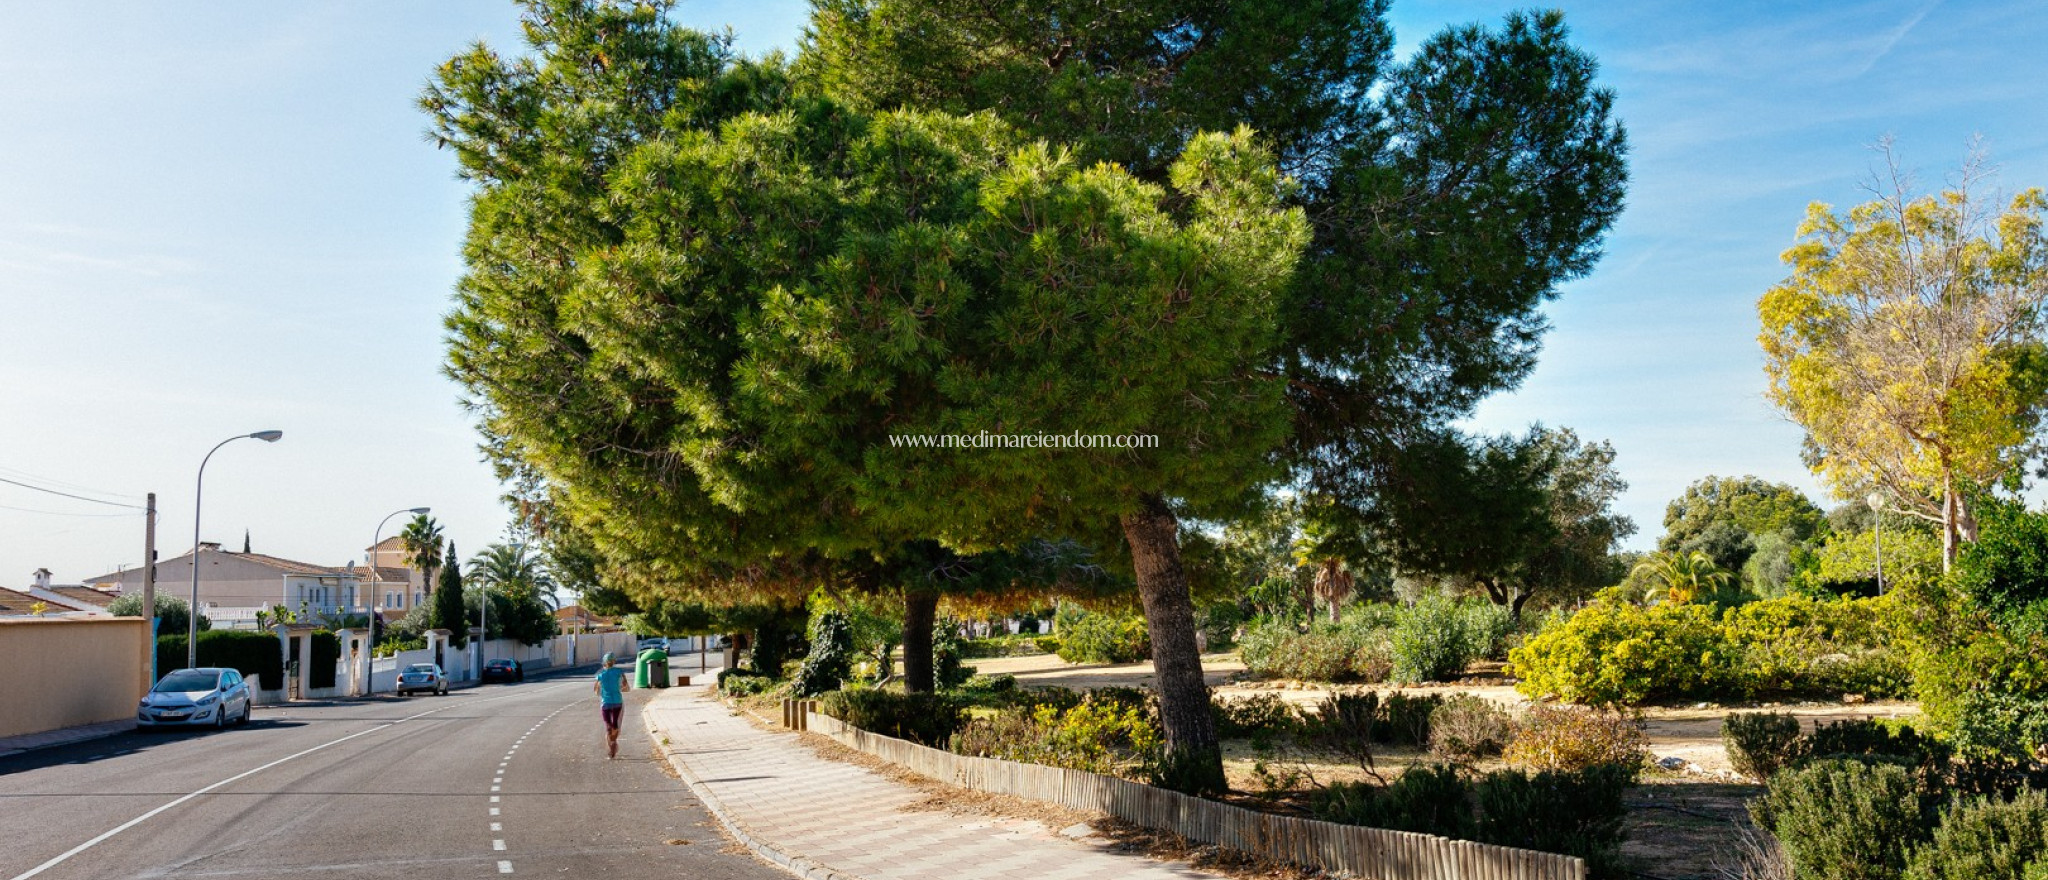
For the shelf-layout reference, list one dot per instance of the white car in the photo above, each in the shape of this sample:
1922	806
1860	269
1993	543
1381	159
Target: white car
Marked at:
652	642
208	695
422	677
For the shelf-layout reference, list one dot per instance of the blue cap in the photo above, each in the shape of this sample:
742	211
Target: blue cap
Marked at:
608	659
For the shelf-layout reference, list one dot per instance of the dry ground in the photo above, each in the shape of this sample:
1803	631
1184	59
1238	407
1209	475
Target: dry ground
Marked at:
1682	825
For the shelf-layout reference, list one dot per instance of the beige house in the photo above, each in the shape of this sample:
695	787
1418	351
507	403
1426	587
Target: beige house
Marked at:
234	586
388	556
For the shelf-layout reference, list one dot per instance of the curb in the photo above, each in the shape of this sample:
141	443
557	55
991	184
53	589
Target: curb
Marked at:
84	733
801	866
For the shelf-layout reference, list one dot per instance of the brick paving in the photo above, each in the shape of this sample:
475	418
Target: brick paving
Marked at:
826	819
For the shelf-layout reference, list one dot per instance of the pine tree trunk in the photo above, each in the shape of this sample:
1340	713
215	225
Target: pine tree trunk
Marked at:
919	610
1193	762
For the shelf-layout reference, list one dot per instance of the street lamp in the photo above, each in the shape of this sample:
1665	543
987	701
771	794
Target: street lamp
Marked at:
192	613
1876	500
369	600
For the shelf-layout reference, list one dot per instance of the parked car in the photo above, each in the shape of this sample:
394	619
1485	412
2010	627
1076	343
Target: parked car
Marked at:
422	677
652	642
207	695
504	670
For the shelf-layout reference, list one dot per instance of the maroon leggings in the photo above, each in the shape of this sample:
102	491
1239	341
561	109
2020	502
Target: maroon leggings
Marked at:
611	716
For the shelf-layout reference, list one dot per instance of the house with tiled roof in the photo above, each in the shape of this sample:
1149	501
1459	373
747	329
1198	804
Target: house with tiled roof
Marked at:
234	586
69	597
14	603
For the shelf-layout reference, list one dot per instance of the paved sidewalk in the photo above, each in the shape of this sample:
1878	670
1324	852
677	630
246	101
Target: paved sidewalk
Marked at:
826	819
63	737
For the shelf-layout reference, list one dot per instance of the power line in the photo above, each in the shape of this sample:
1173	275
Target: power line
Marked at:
66	513
69	495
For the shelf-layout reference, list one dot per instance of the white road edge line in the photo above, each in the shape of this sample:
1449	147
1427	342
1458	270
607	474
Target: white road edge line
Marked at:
102	838
504	867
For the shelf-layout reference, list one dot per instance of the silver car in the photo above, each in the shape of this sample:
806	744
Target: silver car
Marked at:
208	695
422	677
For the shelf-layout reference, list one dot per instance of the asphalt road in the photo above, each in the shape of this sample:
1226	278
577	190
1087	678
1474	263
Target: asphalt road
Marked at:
504	779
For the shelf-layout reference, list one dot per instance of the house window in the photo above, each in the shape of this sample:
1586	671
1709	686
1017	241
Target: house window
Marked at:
392	599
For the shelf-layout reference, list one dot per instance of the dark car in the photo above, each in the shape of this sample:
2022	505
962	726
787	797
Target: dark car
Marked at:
504	670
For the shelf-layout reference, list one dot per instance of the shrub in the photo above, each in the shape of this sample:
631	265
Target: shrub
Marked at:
1096	735
1802	645
1431	642
1256	717
1404	720
948	672
1841	819
1565	738
2002	724
1355	649
1102	638
1000	683
1047	644
1488	629
1869	737
1218	625
1577	813
1424	798
1615	653
929	719
742	683
1986	838
1348	723
1760	742
1014	645
831	657
1466	728
250	653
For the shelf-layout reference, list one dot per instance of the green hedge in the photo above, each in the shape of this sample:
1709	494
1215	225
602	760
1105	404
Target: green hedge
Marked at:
251	653
326	655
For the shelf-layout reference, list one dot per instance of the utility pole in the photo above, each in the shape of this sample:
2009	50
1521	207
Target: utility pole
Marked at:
149	593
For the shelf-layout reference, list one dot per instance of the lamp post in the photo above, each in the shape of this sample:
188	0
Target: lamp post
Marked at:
1876	500
192	613
370	599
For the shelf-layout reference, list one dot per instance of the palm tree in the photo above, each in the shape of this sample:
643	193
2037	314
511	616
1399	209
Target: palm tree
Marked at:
422	542
507	569
1680	578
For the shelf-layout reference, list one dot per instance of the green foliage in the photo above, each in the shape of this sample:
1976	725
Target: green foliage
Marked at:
1751	505
1431	642
448	607
2002	724
1000	683
1513	514
1846	564
1047	644
1088	637
250	653
1349	723
831	659
1759	743
1257	717
1842	819
741	683
1099	735
1354	649
948	672
171	613
1986	838
1616	653
1468	728
2005	571
1565	738
928	719
1914	394
1016	645
1404	719
1218	623
1872	738
1425	798
1577	813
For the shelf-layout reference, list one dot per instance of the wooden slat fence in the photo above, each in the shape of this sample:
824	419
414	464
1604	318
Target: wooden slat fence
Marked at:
1373	853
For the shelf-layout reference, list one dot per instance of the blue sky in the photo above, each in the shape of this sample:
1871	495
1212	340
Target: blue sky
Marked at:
219	218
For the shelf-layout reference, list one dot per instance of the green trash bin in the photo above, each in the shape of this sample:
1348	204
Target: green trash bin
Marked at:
640	664
657	668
